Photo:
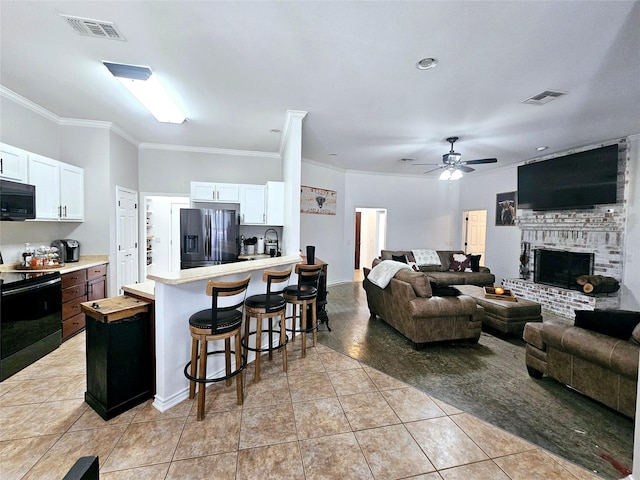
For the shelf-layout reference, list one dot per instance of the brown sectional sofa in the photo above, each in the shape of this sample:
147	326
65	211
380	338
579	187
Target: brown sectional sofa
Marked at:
440	274
600	366
408	306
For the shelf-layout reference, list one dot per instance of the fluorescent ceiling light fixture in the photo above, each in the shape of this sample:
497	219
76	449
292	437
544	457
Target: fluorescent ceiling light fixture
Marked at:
141	82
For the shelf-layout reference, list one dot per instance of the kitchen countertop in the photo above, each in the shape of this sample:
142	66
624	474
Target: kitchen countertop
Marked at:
86	261
206	273
143	289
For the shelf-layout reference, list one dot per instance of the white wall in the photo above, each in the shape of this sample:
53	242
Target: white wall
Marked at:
421	212
630	295
171	171
478	192
326	232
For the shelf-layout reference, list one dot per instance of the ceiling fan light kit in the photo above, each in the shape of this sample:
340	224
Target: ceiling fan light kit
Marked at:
452	164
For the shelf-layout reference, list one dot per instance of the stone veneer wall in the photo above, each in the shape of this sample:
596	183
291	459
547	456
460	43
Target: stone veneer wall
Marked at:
599	231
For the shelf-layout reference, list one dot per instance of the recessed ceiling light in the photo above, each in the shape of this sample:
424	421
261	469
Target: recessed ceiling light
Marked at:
333	154
427	63
540	149
406	160
275	130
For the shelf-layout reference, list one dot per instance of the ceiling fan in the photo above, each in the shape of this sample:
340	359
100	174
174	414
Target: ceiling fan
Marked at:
453	166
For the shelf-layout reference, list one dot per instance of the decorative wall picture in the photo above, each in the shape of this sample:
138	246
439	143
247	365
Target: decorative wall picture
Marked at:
506	209
317	200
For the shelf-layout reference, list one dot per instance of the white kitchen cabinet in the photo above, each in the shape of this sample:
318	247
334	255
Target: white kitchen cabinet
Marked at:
215	192
59	189
71	192
252	205
275	203
13	163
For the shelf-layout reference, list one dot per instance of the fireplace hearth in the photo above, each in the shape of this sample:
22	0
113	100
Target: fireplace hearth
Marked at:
560	268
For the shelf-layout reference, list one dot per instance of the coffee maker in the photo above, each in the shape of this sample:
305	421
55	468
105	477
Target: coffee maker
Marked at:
68	249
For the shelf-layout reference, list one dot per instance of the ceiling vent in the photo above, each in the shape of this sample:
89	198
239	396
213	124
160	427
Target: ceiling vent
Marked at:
94	28
544	97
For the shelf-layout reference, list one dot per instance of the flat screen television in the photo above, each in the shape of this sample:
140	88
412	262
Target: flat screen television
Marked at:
579	180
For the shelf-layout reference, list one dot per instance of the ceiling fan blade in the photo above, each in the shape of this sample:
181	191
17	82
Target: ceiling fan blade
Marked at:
433	164
466	169
432	170
478	162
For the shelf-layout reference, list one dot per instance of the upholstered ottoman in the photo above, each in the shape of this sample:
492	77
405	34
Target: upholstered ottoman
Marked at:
504	316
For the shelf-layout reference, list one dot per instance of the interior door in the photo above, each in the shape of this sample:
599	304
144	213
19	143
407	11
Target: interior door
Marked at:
127	237
475	232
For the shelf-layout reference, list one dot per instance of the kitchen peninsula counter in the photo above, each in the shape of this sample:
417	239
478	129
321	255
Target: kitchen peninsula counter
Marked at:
177	296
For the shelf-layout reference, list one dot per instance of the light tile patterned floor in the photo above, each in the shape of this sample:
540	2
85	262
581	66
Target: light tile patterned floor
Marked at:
330	417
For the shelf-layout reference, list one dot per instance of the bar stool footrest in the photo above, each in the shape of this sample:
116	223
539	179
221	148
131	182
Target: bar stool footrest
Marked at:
215	379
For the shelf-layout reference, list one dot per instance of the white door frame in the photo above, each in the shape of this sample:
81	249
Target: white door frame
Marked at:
127	245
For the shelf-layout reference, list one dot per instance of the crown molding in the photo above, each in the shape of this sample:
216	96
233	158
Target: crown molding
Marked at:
62	121
211	150
28	104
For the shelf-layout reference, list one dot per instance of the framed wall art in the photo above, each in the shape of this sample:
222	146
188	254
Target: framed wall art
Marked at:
506	209
317	201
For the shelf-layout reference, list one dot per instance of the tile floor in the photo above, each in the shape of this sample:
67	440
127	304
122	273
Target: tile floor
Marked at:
330	417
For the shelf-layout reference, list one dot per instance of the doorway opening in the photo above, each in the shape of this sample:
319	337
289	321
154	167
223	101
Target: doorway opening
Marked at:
474	232
161	220
370	238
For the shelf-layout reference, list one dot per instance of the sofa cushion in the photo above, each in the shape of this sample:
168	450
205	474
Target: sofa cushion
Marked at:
388	254
635	335
459	262
426	257
417	280
614	323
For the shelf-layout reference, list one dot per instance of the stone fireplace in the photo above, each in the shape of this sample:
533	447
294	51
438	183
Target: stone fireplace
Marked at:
596	234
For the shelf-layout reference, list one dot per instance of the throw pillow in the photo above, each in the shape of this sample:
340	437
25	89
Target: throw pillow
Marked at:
426	257
460	263
399	258
614	323
440	291
475	262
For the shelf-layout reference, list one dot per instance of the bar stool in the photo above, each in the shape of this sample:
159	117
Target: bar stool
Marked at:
304	295
269	306
220	322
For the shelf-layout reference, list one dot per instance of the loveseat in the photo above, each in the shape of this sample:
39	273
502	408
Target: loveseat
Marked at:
407	304
602	366
439	267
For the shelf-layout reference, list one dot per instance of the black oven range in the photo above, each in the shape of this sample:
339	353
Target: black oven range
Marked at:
30	318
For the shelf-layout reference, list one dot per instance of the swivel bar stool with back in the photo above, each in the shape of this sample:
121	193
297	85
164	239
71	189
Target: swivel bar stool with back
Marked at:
304	295
267	305
222	321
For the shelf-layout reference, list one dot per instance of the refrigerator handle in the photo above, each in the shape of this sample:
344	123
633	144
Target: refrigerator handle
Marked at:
207	240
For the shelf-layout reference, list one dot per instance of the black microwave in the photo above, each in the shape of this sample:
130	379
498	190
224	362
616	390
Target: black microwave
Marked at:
17	201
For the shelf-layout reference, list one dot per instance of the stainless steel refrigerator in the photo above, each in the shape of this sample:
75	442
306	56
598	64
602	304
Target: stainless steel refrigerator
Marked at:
208	237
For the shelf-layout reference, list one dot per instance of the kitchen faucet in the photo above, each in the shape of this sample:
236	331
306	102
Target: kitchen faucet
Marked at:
277	242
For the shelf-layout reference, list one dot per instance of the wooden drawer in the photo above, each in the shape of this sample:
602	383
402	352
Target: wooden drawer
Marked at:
97	271
75	291
74	278
72	307
72	325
